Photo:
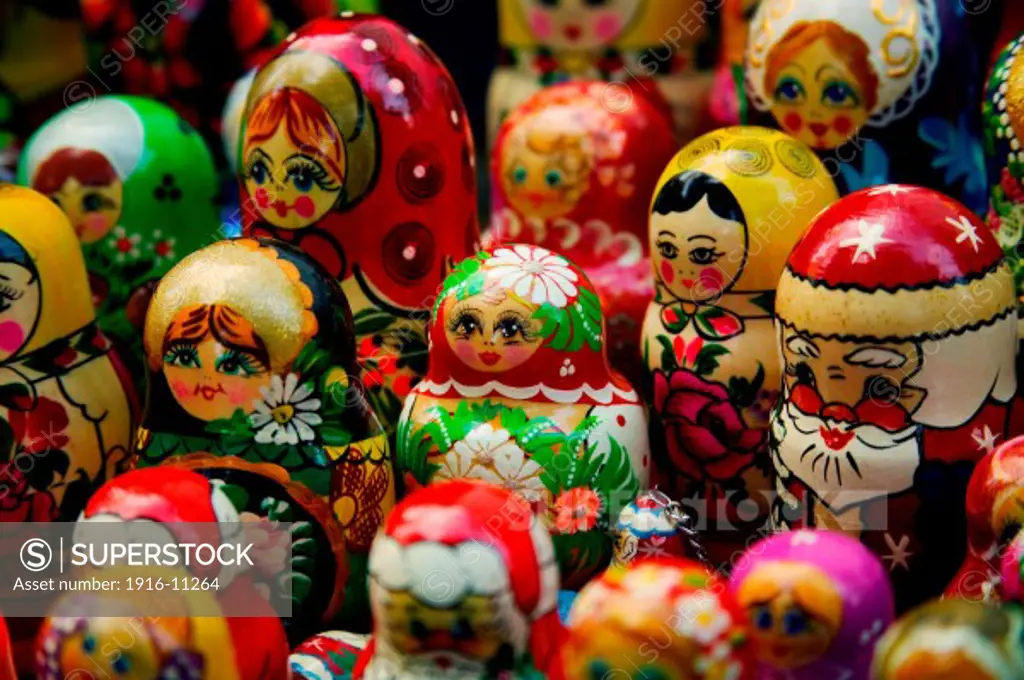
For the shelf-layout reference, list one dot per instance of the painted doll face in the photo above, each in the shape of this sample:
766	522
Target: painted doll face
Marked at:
19	307
697	254
491	334
609	653
103	645
579	24
471	629
93	210
817	98
293	185
214	366
545	169
795	612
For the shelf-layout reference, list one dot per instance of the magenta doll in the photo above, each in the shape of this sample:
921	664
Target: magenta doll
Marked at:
817	601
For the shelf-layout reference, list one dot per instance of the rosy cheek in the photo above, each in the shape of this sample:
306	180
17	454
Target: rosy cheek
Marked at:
540	23
516	355
12	336
711	279
262	198
304	206
95	223
181	389
843	124
667	273
793	121
464	351
607	26
238	394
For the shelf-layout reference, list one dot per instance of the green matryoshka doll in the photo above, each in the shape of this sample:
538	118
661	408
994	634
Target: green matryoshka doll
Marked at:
141	190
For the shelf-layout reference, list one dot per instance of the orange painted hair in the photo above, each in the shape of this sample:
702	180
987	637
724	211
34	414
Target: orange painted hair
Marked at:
307	123
193	324
853	52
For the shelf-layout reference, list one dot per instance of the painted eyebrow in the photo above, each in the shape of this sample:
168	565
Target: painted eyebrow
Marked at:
793	66
702	236
826	67
261	152
665	232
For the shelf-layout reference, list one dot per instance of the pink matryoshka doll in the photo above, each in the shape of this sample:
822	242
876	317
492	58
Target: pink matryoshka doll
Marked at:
995	515
573	170
356	148
897	326
817	601
463	584
658	619
520	394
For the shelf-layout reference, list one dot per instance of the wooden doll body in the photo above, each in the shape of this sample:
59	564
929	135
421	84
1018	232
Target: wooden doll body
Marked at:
140	188
725	214
384	198
520	394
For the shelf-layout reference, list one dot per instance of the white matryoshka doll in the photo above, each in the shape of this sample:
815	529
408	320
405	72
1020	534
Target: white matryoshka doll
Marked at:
726	212
896	319
884	91
463	585
66	401
664	48
519	393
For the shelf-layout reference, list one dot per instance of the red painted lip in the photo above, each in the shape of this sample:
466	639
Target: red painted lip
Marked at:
818	128
834	439
490	358
208	393
688	283
573	32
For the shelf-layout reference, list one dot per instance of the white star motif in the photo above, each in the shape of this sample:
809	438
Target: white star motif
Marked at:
968	232
871	236
898	552
891	189
984	438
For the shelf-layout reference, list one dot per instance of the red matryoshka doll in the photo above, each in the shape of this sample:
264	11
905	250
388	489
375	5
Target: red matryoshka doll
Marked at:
953	639
252	382
463	584
817	601
575	175
520	394
134	634
653	525
660	618
331	655
356	148
66	402
890	294
726	213
995	515
172	505
664	48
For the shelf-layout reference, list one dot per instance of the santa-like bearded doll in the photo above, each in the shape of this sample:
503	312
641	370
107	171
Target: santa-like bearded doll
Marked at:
896	325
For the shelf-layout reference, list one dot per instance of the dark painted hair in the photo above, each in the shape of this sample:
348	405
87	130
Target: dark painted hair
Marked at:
12	251
684	191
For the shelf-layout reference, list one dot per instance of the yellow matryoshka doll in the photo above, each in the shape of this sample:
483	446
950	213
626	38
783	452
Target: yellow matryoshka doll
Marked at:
251	355
725	215
519	393
662	48
66	401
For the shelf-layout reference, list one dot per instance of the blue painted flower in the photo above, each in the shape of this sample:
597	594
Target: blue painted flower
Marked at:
875	168
959	153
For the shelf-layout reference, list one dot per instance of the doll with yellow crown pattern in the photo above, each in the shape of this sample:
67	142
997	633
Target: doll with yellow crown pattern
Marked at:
251	357
520	393
726	212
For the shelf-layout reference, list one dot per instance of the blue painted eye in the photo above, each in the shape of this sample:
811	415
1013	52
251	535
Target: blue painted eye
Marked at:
418	629
652	673
763	619
553	178
838	94
461	630
88	644
599	669
789	91
121	665
794	622
259	172
519	175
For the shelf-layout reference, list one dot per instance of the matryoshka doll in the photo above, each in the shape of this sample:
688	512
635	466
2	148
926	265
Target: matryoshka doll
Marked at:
658	618
140	188
661	48
520	394
575	175
357	149
724	217
953	639
251	356
884	91
995	515
463	584
728	104
150	635
817	601
331	655
890	293
653	525
66	401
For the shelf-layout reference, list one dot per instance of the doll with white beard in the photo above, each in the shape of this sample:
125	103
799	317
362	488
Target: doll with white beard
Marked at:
896	325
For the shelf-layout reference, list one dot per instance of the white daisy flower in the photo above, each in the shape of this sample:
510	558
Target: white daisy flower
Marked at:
287	414
535	274
699	616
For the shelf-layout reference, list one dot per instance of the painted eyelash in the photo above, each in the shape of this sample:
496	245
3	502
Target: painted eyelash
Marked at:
319	175
250	365
454	326
524	323
182	350
10	292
